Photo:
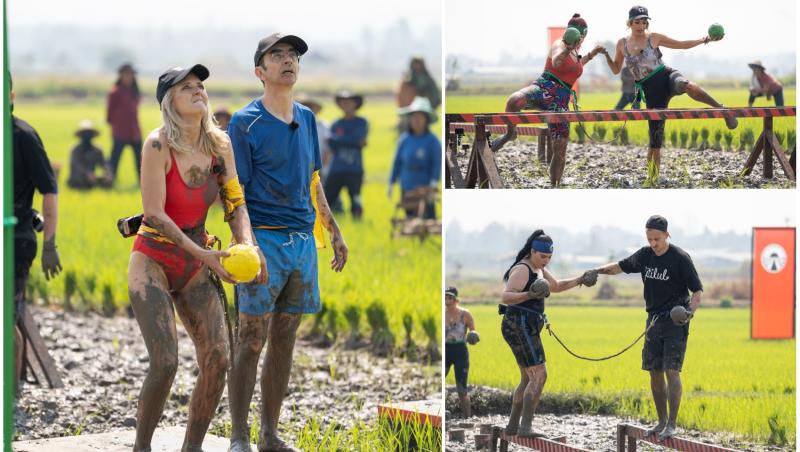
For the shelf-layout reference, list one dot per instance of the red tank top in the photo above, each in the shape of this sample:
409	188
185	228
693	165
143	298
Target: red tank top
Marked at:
569	71
188	206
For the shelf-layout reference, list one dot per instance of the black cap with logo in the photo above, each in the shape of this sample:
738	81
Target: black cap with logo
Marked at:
638	12
173	76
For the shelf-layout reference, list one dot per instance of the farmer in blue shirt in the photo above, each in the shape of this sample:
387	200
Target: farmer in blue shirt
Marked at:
418	160
347	140
277	159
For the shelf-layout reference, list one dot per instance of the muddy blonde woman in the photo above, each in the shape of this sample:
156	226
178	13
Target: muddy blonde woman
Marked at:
185	163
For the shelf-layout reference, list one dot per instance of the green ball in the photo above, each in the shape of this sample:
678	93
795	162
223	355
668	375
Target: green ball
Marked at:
715	31
571	35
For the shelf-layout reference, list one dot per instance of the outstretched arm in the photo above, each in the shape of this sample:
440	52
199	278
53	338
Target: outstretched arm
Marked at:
662	40
694	303
337	241
588	57
560	285
610	269
616	64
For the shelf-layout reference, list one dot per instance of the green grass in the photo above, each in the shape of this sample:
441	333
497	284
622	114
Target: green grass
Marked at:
730	383
637	130
402	274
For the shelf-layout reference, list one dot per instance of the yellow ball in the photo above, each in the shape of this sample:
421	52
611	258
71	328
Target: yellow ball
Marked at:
243	263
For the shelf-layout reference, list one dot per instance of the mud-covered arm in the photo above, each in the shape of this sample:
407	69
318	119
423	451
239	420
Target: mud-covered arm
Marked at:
666	41
337	241
239	223
513	293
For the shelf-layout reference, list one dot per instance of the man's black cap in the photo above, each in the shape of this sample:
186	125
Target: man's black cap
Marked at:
451	291
657	222
276	38
173	76
638	12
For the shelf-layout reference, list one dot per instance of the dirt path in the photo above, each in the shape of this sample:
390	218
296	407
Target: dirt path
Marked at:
611	166
103	362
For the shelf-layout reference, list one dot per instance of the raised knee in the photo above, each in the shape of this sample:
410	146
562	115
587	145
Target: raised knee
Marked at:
515	102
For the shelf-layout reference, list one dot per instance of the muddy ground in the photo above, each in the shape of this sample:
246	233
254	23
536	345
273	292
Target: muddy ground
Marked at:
103	362
593	165
593	432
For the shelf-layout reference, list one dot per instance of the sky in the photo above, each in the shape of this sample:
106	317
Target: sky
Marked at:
483	28
344	18
579	210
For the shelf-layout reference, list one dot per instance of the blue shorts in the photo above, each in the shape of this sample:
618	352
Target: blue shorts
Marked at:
292	265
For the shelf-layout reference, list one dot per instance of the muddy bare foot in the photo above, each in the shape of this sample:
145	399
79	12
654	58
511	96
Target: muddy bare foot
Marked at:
668	433
655	430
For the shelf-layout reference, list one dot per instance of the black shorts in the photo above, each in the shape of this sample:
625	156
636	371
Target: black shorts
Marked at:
658	91
522	335
457	355
664	345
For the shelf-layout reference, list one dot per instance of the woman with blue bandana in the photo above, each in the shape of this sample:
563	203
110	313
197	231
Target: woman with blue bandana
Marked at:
528	283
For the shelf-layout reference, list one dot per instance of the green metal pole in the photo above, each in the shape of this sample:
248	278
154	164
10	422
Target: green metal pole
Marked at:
9	220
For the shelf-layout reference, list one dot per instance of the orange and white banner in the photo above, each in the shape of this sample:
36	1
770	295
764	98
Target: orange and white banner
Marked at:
773	283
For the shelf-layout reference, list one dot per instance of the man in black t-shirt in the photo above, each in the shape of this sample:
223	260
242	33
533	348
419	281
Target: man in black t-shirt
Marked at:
669	276
32	171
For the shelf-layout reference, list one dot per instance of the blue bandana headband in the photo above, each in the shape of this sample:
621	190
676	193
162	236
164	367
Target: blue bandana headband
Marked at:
542	246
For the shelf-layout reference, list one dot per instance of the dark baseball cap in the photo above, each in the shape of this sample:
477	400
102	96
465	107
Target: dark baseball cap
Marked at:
173	76
277	38
657	222
638	12
451	291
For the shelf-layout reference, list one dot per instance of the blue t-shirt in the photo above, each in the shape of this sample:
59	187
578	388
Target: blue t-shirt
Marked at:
275	161
418	161
345	141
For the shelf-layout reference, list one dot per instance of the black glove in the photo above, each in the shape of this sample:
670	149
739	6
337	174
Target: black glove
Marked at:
539	289
473	338
589	278
51	265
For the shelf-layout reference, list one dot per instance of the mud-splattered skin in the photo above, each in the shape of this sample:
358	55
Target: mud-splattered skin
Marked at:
190	293
337	241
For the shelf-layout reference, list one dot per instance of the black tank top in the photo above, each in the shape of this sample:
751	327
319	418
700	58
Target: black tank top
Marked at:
534	304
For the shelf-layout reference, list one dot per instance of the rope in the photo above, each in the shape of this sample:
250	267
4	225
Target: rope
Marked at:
552	333
223	299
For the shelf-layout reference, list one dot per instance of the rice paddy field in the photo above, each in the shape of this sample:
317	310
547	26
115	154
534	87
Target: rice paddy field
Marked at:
730	382
637	130
402	274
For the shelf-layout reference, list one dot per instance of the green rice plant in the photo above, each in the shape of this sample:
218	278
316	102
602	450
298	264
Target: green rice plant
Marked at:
580	130
410	348
695	134
791	139
599	132
332	329
382	338
70	286
728	136
673	138
651	180
352	313
429	325
781	138
777	432
718	140
109	306
746	139
316	325
684	138
704	134
623	135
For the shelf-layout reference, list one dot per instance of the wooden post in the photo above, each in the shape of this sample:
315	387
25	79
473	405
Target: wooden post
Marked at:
768	173
621	437
37	354
495	438
753	158
549	148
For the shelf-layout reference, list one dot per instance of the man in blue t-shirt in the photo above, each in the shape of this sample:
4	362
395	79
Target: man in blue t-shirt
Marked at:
669	276
277	159
348	136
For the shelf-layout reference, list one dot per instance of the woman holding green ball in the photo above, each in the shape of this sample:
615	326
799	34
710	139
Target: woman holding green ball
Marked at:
655	82
552	91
